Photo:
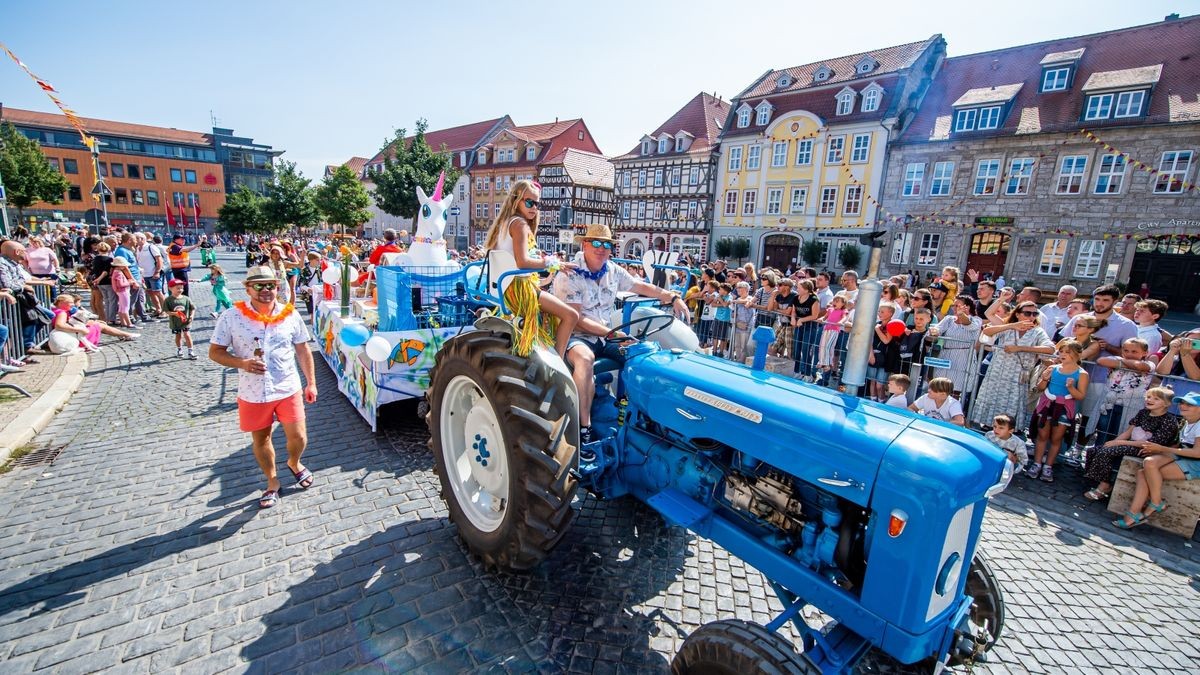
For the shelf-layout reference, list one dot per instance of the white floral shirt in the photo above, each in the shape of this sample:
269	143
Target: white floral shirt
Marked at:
279	341
596	298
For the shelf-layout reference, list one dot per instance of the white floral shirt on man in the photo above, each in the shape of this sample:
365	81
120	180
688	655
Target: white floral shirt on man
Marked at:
279	341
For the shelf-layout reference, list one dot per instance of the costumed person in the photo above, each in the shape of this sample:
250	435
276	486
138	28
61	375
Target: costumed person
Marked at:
216	277
516	222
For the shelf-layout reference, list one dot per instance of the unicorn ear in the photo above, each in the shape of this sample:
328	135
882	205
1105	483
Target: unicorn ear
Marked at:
447	201
422	196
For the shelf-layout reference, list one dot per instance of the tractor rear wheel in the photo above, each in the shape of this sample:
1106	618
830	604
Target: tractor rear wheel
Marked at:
736	647
500	428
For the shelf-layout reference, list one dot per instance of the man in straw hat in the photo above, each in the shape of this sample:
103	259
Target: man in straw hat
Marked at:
264	339
592	291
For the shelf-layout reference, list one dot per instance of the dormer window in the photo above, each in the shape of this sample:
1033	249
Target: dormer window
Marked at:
1056	79
663	146
983	108
481	156
1119	94
531	153
822	74
1115	105
646	147
783	82
679	144
977	119
743	116
763	113
865	65
870	98
845	101
1058	69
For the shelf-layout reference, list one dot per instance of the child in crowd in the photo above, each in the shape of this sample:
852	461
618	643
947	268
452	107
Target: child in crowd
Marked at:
743	318
827	357
181	310
1129	377
1146	315
722	321
885	353
938	404
1154	424
1002	437
897	389
708	313
1063	386
953	286
216	276
122	282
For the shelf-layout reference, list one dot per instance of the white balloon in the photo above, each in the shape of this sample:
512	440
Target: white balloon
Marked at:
332	274
378	348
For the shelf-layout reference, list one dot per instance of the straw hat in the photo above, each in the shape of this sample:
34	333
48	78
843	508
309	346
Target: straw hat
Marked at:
120	262
260	273
598	232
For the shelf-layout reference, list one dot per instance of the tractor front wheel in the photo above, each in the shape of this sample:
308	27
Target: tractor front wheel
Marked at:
499	431
987	602
736	647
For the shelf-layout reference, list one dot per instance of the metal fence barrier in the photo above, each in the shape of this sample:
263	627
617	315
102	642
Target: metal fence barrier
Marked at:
10	316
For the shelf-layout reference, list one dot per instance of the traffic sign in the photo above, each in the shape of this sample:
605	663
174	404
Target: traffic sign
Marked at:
101	189
454	211
566	236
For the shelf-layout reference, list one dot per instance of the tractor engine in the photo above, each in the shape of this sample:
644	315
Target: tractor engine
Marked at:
867	512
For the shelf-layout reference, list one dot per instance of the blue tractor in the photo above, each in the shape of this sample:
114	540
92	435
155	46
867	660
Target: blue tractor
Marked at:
870	514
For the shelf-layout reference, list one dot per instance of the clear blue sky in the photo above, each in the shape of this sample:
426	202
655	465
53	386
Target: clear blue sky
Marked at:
328	80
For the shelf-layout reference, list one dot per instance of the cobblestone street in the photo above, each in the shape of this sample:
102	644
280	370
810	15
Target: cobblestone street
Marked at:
141	548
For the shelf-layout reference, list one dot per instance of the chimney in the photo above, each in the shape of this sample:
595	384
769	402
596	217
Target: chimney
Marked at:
1171	17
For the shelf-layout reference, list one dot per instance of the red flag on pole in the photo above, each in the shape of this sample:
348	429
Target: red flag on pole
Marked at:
182	214
170	215
196	213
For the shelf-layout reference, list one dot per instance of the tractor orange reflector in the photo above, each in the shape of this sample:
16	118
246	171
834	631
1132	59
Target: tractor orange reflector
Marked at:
897	522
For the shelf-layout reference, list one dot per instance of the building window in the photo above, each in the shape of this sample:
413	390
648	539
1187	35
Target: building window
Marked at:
870	100
641	210
139	198
692	210
694	176
1055	79
914	176
743	119
901	248
927	254
118	171
645	147
625	210
845	103
679	144
837	147
779	153
70	166
1111	175
53	162
1099	107
673	210
754	158
641	178
774	201
964	120
150	173
134	171
986	173
1070	174
731	199
193	199
74	193
799	199
804	152
1020	172
989	118
189	176
853	206
1054	252
943	179
749	202
735	158
625	178
478	210
1172	170
662	146
530	153
1088	259
487	210
177	198
103	169
658	177
656	212
764	115
151	197
828	205
177	175
1129	104
481	157
861	149
675	175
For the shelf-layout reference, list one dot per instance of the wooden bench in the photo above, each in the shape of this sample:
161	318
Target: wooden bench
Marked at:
1183	500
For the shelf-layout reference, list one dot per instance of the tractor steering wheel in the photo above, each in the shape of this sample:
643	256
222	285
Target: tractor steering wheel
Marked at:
655	323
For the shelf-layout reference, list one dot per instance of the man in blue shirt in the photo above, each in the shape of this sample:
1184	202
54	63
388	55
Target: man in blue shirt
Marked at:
1111	337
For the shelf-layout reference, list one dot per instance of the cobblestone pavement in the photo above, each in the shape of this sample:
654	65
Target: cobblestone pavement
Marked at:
142	549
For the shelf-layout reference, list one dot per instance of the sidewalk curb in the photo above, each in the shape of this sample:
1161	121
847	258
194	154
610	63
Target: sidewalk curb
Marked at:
37	416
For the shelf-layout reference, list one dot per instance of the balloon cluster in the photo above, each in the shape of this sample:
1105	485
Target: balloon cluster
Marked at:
376	347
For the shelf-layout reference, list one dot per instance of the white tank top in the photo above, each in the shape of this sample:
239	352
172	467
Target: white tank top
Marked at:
504	240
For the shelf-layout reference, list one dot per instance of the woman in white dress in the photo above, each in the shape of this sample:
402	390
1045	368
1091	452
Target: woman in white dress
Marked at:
957	334
1019	342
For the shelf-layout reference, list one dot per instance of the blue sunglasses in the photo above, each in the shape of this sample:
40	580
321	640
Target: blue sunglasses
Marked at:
602	244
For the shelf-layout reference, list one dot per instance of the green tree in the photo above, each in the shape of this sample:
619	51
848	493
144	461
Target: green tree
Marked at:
406	165
850	256
289	200
28	177
740	249
813	252
342	199
243	212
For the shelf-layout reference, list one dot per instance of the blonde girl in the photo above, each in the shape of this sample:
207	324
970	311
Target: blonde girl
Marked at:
1062	387
512	231
950	276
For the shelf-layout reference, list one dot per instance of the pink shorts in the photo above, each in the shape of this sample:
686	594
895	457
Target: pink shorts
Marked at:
257	416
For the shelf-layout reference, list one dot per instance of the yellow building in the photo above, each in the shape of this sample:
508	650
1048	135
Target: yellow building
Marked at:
803	151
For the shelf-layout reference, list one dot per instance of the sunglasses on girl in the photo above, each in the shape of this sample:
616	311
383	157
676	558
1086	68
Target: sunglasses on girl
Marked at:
532	203
600	244
1028	313
263	287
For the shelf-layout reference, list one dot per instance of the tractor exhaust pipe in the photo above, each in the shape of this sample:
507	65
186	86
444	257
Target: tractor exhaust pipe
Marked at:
866	309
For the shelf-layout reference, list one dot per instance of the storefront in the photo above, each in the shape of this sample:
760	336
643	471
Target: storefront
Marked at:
1170	265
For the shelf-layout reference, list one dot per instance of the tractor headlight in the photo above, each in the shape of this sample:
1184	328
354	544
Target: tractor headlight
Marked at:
1005	476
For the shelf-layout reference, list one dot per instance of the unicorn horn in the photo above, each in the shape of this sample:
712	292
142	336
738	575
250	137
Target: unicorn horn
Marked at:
437	191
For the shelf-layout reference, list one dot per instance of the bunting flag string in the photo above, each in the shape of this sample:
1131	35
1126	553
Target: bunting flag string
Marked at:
72	117
1183	185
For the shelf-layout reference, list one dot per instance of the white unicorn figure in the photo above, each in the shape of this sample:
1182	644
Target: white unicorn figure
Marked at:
428	248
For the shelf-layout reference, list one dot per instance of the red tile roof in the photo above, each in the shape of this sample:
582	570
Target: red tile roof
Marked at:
822	103
585	168
552	138
455	139
890	60
104	127
1174	44
701	117
356	165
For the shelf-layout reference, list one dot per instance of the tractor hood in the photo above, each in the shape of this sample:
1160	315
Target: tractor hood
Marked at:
836	441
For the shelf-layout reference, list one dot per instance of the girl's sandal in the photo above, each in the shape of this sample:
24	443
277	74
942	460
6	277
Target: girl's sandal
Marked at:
1159	507
1137	519
1095	495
